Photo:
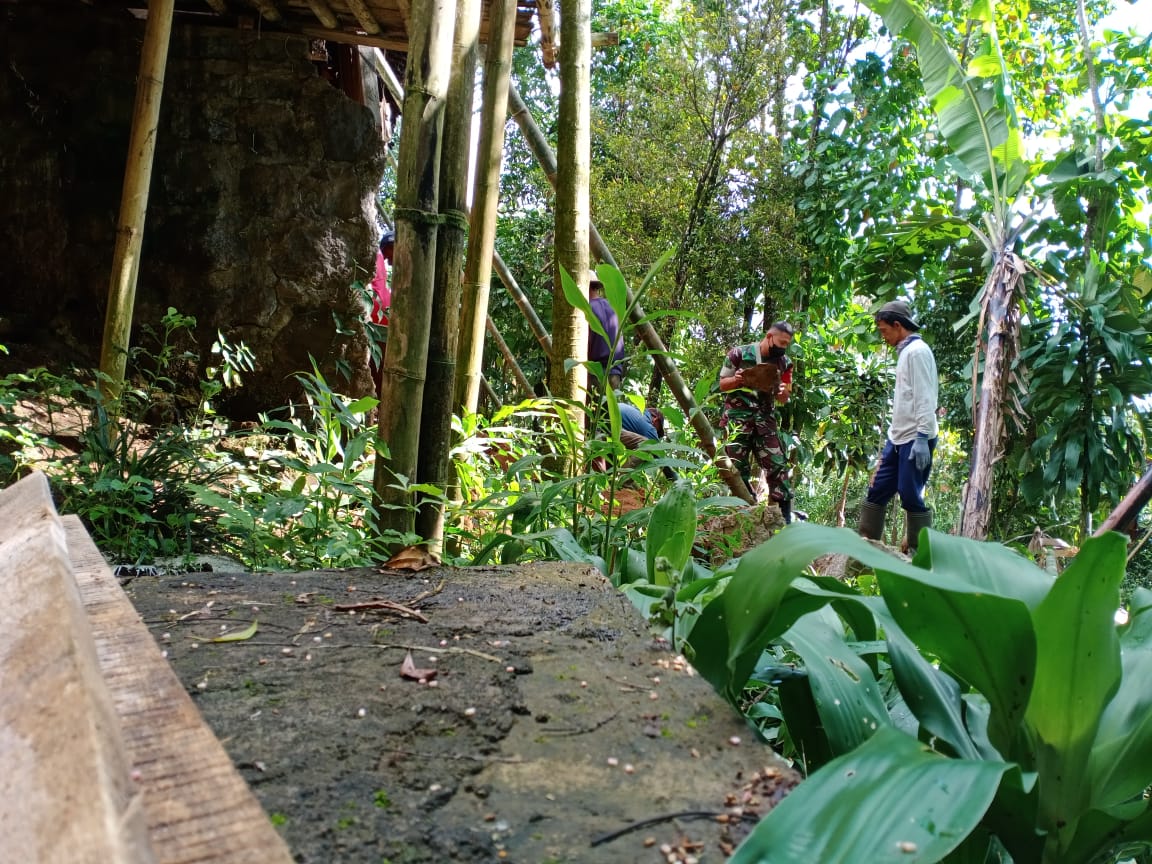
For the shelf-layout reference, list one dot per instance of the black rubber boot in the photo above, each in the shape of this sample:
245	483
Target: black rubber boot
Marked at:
872	520
914	522
786	511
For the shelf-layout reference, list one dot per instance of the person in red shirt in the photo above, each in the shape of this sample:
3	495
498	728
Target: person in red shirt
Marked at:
381	293
381	301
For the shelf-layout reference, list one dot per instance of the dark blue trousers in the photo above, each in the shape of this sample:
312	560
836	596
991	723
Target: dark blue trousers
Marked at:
897	474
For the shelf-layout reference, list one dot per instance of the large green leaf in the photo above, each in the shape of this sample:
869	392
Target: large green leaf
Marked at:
932	695
843	687
890	800
1121	759
985	640
979	124
1077	672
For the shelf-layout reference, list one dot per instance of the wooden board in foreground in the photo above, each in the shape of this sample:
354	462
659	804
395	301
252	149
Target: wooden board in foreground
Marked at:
198	807
65	790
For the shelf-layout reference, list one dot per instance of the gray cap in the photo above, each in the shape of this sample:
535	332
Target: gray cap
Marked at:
902	311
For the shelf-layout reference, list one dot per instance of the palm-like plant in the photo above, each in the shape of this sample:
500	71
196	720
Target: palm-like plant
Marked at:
977	118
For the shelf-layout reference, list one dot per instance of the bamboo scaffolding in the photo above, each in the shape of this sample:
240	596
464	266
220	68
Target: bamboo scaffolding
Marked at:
509	358
547	161
433	465
384	68
417	218
486	200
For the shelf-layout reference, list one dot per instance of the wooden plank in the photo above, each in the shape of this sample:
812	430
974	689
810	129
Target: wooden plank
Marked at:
65	787
198	807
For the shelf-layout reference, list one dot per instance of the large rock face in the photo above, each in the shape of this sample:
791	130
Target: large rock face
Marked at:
262	207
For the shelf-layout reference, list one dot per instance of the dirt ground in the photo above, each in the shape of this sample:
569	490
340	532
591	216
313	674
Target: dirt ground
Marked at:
537	716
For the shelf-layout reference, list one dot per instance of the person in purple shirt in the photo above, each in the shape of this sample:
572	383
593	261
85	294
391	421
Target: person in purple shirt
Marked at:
612	362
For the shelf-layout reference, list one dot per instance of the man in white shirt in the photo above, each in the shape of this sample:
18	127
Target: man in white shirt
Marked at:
906	460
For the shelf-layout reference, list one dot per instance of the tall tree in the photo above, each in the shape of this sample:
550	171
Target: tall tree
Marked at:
417	216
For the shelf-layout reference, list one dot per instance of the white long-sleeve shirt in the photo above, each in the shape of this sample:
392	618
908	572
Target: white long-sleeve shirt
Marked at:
916	394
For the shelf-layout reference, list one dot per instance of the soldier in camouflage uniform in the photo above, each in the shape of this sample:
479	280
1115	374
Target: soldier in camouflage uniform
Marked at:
749	417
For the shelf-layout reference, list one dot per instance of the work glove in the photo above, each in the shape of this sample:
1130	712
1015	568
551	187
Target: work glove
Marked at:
921	455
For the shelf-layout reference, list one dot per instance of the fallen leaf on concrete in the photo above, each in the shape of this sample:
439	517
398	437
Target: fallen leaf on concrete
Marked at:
413	558
408	670
237	635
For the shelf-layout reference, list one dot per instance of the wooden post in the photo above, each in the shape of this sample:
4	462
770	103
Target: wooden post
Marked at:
134	197
486	197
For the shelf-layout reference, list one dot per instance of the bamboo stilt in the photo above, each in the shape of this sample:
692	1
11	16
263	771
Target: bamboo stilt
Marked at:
134	196
486	199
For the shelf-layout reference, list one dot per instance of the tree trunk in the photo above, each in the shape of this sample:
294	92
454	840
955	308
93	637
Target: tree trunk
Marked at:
486	198
432	465
680	392
1001	325
417	202
573	136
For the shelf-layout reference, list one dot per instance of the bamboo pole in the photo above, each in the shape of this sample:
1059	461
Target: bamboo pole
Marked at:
1124	516
509	358
433	465
660	356
486	199
525	304
490	394
417	202
572	209
134	196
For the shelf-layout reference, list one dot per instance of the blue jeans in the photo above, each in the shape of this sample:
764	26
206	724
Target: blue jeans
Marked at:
897	473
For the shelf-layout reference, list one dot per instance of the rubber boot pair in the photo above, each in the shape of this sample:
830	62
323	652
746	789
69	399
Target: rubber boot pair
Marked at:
872	518
914	522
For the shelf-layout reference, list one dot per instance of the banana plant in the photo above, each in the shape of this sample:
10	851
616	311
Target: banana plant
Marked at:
1022	722
977	117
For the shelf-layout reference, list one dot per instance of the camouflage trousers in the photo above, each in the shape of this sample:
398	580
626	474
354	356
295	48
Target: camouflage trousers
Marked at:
756	435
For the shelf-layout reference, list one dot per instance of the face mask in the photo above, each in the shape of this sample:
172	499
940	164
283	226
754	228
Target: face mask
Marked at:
776	352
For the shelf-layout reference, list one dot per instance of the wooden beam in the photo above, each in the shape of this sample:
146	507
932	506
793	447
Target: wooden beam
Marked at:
66	792
405	7
134	197
388	75
549	37
268	11
324	13
364	16
391	43
198	807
